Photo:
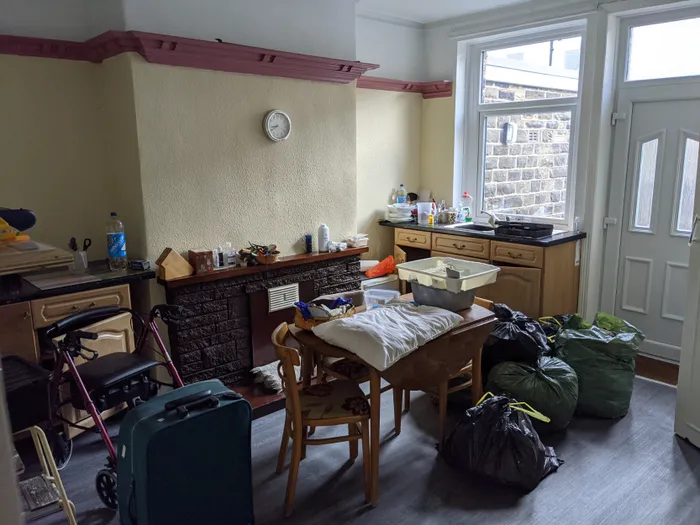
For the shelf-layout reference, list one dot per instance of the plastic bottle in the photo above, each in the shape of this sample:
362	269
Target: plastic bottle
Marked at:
401	195
116	243
324	238
465	207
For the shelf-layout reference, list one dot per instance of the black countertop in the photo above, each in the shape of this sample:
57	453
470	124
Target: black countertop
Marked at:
15	289
552	240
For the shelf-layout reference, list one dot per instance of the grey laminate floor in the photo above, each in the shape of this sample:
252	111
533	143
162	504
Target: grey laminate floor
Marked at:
633	471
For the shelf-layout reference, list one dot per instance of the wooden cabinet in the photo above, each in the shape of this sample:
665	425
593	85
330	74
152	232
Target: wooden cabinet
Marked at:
116	334
48	311
414	238
467	246
517	287
519	254
17	335
536	280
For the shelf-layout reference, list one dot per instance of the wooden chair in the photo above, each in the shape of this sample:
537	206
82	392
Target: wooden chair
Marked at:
340	402
345	369
444	390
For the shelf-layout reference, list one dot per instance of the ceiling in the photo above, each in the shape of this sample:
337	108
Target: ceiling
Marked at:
427	11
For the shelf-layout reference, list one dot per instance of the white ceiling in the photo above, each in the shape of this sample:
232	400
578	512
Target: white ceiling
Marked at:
427	11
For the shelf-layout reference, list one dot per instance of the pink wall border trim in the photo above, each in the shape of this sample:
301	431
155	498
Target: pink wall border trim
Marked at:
427	89
187	52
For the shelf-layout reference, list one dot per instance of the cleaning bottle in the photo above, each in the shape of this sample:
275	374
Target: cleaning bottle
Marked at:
465	207
401	195
116	243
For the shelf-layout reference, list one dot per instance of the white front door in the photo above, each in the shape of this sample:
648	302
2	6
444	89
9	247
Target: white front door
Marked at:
687	408
659	168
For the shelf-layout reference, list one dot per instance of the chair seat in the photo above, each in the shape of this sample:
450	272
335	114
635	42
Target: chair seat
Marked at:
108	370
346	368
341	398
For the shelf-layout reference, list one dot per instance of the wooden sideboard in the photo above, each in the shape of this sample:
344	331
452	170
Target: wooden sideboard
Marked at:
536	280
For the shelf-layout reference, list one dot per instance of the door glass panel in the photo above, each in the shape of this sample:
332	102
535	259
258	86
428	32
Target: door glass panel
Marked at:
664	50
687	193
645	185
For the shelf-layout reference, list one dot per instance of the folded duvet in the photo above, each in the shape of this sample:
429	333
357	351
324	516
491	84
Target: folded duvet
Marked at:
382	336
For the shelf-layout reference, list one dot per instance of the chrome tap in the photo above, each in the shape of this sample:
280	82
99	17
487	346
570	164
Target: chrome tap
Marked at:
492	218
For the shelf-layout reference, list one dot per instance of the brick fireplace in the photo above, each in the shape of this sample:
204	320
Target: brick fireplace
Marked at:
227	323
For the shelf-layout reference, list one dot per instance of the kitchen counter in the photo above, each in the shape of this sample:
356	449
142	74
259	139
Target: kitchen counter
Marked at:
15	289
552	240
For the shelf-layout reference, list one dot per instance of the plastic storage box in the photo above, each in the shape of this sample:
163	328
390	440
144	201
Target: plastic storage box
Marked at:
433	273
376	298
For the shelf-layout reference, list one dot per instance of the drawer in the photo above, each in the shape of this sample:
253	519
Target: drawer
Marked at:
519	254
455	245
48	311
417	239
443	254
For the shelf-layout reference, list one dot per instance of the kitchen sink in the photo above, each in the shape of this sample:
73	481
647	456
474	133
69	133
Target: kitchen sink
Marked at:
475	227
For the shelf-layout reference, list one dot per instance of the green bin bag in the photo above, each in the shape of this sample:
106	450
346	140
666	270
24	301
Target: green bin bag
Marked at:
551	388
603	357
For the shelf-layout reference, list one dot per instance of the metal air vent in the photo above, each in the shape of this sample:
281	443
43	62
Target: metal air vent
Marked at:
282	297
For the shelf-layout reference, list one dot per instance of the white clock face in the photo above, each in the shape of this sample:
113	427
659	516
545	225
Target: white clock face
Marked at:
278	125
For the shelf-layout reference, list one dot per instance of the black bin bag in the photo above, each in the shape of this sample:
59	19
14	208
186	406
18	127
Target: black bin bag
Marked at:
516	338
496	439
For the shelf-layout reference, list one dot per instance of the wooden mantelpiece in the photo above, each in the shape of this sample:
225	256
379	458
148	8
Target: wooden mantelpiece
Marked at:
282	262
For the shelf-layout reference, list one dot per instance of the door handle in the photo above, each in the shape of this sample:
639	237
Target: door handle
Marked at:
692	230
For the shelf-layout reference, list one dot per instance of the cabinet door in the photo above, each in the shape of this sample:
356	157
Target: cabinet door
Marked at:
17	336
115	335
519	288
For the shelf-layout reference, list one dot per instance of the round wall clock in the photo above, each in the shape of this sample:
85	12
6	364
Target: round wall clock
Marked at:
277	125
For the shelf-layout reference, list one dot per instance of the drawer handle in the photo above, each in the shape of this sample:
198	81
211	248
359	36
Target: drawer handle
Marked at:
26	315
92	304
75	307
460	247
412	239
515	255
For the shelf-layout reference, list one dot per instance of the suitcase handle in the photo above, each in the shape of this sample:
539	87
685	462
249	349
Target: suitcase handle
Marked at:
192	398
208	402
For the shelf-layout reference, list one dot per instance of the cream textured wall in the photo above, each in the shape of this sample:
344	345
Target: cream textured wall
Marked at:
116	89
437	159
388	154
53	149
209	174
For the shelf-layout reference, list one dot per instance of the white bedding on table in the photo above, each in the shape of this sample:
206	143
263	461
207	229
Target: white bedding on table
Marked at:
382	336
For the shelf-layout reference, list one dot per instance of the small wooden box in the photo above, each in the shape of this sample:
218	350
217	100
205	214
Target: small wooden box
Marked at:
201	260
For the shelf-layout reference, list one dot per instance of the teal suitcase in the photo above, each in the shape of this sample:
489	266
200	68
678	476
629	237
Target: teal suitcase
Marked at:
184	458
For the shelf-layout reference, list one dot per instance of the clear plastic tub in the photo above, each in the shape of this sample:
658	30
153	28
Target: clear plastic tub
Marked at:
433	273
376	298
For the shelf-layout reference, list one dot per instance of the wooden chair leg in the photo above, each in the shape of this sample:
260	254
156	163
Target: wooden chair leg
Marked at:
293	472
406	400
352	430
283	447
442	406
397	410
366	465
304	434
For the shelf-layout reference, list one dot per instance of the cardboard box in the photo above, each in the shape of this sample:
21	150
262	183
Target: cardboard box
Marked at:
201	260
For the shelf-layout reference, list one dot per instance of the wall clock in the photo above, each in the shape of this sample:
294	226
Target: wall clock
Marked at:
277	125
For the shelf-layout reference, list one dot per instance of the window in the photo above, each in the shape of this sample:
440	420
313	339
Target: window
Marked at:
523	123
688	176
646	180
666	50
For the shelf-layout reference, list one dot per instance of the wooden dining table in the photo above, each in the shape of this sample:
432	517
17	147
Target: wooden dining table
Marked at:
422	369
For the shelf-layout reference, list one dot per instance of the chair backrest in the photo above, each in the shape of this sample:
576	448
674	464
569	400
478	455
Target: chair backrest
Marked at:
289	358
484	303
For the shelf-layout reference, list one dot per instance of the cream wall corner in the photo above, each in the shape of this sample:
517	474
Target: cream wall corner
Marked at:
389	139
53	150
438	148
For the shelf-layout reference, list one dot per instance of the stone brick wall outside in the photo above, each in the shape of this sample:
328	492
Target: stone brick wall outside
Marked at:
214	338
527	177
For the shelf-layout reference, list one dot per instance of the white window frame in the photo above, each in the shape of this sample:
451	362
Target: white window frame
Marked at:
673	15
475	112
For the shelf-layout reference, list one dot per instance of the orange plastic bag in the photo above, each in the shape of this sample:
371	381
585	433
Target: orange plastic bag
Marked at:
385	267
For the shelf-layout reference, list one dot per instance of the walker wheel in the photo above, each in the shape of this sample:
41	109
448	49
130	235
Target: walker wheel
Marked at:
106	486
